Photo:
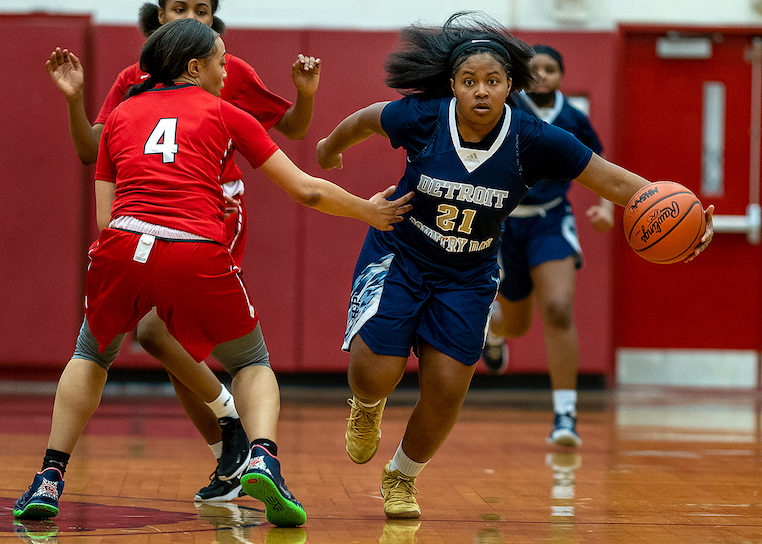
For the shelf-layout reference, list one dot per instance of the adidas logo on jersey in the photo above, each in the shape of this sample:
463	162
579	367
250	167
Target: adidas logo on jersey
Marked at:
473	157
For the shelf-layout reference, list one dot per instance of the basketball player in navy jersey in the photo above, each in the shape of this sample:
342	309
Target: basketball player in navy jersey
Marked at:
428	284
540	253
162	245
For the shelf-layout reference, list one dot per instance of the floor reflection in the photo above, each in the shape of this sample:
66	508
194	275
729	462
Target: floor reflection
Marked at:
232	523
399	531
564	466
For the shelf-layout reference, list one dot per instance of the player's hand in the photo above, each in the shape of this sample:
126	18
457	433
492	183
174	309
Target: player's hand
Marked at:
389	212
328	161
708	234
601	217
306	74
66	71
231	206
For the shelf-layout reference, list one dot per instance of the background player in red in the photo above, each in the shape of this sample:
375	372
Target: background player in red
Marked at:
206	401
540	253
162	244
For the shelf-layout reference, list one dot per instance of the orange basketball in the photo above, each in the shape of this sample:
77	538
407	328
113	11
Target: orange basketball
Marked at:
664	222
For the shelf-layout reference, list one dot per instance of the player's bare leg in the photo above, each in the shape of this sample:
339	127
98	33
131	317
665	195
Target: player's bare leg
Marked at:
372	378
509	319
554	283
208	405
443	385
78	395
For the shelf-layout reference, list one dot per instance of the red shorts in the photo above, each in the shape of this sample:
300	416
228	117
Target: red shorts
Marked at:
236	233
195	286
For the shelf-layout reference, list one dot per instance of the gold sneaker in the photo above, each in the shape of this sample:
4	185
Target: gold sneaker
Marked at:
363	430
399	494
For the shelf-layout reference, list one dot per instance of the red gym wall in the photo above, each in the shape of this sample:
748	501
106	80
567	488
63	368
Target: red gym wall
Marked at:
298	262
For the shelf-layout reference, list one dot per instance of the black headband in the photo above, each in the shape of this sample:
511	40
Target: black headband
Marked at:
487	44
552	53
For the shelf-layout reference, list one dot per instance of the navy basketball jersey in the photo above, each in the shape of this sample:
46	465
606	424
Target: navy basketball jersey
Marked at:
464	192
569	118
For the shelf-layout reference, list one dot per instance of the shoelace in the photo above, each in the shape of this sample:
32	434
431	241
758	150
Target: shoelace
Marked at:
362	420
401	495
213	475
565	421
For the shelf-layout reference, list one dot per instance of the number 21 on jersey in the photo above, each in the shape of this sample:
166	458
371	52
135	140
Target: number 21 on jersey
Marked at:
163	140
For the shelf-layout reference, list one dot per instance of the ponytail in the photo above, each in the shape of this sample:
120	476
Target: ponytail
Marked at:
148	83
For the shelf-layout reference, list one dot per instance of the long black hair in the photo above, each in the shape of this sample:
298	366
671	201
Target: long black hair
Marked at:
148	17
167	52
429	56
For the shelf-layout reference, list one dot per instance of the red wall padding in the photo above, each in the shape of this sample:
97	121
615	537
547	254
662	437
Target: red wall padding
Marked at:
42	238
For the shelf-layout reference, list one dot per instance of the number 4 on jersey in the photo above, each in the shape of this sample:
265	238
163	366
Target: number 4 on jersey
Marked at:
162	140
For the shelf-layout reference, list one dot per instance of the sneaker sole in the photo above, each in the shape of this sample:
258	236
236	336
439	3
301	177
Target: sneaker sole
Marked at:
361	461
567	439
36	511
232	494
278	510
240	470
412	514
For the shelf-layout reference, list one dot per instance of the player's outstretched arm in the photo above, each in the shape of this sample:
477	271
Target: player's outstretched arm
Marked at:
306	75
65	69
329	198
617	184
356	128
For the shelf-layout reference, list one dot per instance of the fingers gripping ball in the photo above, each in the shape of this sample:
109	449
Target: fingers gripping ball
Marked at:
664	222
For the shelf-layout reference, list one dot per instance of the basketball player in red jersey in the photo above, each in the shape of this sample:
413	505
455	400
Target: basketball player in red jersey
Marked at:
162	245
206	401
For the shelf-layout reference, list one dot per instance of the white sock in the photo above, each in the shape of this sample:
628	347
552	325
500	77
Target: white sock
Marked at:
405	464
565	401
370	405
216	449
223	405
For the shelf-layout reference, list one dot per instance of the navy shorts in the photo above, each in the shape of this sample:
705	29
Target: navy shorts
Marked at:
530	241
396	302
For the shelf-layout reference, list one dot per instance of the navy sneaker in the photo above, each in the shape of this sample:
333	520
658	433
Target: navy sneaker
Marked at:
235	449
262	480
220	490
495	354
40	501
564	431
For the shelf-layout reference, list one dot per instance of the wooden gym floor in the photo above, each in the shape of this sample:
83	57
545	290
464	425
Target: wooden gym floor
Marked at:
656	466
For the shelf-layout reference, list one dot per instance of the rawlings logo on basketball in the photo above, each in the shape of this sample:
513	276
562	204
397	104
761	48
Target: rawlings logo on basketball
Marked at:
642	198
663	222
655	220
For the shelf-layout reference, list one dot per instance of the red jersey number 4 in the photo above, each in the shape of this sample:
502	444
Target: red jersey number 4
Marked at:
163	140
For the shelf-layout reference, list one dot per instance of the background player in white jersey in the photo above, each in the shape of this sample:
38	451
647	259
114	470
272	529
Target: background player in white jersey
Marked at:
540	253
428	284
206	401
162	244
